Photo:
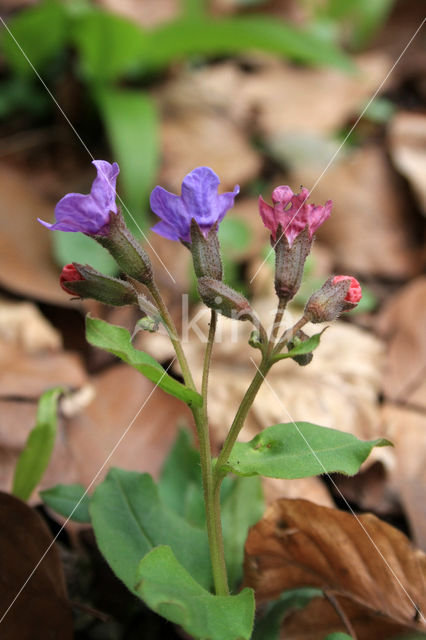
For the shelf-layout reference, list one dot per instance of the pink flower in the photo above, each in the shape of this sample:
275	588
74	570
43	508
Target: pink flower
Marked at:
354	294
293	213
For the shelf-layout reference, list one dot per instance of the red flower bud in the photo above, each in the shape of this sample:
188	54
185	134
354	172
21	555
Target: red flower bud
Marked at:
69	274
354	294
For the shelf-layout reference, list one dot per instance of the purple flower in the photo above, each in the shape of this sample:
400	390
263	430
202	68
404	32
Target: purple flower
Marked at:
89	213
199	200
292	212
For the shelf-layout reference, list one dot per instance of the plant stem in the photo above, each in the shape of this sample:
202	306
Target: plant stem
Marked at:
240	417
171	328
214	527
288	335
277	322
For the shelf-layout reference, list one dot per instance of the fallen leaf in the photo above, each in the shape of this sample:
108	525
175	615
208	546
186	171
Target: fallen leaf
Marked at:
402	322
407	140
23	325
369	213
26	267
407	476
364	560
148	13
131	424
196	139
42	609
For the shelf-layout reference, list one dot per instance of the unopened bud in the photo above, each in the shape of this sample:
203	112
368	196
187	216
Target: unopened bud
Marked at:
217	295
205	252
333	298
86	282
255	340
290	262
126	250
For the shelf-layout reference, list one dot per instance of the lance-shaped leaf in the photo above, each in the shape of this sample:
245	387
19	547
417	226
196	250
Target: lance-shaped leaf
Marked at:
300	450
129	520
35	457
69	500
117	340
170	590
302	348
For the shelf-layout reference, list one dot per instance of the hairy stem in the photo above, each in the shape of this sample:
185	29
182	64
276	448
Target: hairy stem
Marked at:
214	528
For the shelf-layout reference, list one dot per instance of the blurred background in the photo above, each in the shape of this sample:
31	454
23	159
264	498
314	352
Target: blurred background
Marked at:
266	92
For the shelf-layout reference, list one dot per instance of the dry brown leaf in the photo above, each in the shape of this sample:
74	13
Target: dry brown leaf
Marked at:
298	543
197	139
148	13
407	139
402	322
23	325
42	609
25	264
369	229
123	398
319	618
407	476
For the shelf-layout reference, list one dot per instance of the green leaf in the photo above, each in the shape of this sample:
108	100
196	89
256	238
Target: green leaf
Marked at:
131	123
180	486
117	340
69	500
242	507
76	247
41	32
303	347
338	635
129	519
109	45
36	454
168	589
300	450
269	625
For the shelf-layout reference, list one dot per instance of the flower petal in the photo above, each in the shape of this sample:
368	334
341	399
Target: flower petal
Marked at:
171	210
76	212
200	197
225	201
267	214
103	187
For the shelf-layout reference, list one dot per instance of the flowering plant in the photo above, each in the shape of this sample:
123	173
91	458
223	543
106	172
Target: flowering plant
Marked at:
179	562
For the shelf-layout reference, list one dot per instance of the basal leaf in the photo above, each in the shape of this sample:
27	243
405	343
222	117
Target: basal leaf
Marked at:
242	506
69	500
36	454
300	450
129	520
117	340
186	37
167	588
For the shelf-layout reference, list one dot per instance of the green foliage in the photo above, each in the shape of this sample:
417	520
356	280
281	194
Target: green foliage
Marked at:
131	123
300	450
129	520
242	506
269	625
35	457
363	17
117	340
180	485
167	588
338	635
69	500
41	31
302	348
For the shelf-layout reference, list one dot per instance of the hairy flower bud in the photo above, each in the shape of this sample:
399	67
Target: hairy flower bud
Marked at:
333	298
217	295
85	282
290	262
126	250
205	252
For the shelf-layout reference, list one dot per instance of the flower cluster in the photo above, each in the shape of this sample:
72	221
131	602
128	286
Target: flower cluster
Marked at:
193	218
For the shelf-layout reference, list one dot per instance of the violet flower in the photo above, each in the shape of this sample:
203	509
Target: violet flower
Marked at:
199	200
293	213
90	213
